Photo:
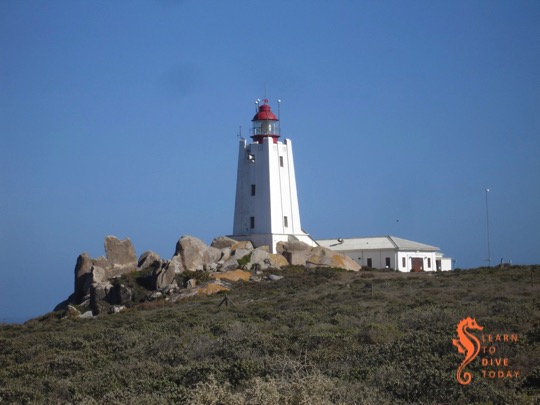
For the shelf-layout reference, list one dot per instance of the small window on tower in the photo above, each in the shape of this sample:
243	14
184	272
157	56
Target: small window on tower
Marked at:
281	161
252	222
253	189
251	157
285	222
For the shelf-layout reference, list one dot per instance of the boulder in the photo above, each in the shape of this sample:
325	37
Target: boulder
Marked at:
222	242
259	255
99	294
83	274
240	253
103	295
149	261
273	277
297	257
296	252
99	274
276	261
261	259
121	295
121	255
243	244
324	257
196	254
176	264
170	288
117	309
164	276
156	295
226	254
87	315
210	267
230	264
212	288
292	246
71	312
233	275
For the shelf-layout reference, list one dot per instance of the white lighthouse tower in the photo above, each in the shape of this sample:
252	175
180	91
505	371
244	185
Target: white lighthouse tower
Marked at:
266	209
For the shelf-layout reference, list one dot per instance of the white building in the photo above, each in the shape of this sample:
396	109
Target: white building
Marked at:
266	208
390	252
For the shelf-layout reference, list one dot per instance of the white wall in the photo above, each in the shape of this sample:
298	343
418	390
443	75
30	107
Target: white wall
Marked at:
378	259
446	264
270	167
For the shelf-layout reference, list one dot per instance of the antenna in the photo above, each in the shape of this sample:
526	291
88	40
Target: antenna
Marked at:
279	114
240	132
257	104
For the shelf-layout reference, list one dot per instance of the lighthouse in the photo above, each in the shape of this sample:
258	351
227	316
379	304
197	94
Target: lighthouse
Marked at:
266	208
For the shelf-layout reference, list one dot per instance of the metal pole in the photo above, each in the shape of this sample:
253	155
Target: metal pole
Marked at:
487	229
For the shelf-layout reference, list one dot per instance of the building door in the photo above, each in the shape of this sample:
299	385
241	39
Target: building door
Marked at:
417	264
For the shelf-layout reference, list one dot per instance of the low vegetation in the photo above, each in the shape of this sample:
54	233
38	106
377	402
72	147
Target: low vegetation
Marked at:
316	336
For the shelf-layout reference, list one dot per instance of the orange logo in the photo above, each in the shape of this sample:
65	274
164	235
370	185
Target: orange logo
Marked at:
467	344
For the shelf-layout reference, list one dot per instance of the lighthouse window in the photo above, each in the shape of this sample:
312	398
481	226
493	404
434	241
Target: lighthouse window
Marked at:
281	161
252	222
251	157
285	222
253	189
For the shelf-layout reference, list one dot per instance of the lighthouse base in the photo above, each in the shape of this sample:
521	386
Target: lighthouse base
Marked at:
271	240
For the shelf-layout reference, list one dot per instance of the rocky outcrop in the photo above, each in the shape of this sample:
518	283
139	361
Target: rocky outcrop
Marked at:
177	265
98	282
324	257
121	255
299	253
196	255
222	242
120	258
234	275
84	274
164	277
149	261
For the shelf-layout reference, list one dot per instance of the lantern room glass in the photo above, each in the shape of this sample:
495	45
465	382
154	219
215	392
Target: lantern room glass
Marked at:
265	127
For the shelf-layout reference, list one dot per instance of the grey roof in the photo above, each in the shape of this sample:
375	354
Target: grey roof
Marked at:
376	243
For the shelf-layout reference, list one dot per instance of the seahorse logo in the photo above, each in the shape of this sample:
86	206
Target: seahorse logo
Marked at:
468	344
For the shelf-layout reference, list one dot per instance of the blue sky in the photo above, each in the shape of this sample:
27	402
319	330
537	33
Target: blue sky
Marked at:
121	118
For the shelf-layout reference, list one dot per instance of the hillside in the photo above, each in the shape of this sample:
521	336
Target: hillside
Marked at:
316	336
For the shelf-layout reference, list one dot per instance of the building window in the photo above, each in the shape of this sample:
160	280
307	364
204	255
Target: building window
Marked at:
369	262
403	262
285	222
251	157
387	262
281	161
252	222
429	262
253	189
